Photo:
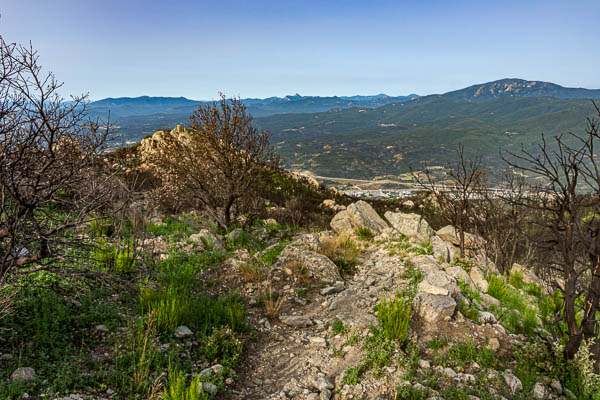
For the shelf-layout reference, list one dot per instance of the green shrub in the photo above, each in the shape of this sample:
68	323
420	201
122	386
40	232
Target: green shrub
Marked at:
364	233
408	392
516	279
464	263
240	239
425	249
177	389
530	321
119	258
469	311
437	343
338	327
223	346
512	321
461	354
497	288
394	318
102	227
534	290
173	228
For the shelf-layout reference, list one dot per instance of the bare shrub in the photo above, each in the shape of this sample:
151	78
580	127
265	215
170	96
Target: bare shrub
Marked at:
216	164
567	199
53	176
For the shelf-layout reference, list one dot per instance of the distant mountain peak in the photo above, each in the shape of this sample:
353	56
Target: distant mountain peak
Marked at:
519	87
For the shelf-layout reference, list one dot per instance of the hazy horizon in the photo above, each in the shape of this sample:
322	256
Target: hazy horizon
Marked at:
268	48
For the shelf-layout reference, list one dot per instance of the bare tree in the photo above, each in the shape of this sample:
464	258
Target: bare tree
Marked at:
500	219
52	174
567	232
216	163
455	193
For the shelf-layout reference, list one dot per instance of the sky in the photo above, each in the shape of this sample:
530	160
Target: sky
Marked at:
259	48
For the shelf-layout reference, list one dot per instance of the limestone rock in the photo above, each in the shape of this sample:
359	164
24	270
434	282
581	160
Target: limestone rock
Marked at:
297	321
450	234
486	317
336	288
431	308
478	279
358	215
539	391
459	274
208	240
438	282
23	374
342	223
412	226
556	386
514	383
318	265
182	332
494	344
443	250
426	264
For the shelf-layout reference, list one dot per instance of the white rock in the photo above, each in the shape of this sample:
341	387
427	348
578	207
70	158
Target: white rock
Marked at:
182	332
298	321
514	383
412	226
432	308
539	391
478	279
23	374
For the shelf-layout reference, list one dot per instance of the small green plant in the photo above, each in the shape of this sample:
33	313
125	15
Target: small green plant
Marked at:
338	327
516	279
437	343
469	311
497	288
364	233
464	263
408	392
426	248
378	351
461	354
534	289
394	318
223	346
530	321
177	389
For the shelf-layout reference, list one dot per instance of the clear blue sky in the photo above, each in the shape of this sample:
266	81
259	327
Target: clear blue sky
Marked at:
259	48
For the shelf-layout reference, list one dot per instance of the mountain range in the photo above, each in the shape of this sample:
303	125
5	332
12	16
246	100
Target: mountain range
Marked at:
375	136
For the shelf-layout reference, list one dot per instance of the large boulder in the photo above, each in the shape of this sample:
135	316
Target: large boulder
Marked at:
460	274
443	250
432	308
426	264
438	282
451	234
478	279
412	226
207	240
358	215
319	266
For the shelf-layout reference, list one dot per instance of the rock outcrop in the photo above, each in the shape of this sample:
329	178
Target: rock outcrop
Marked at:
358	215
450	234
433	308
317	265
412	226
